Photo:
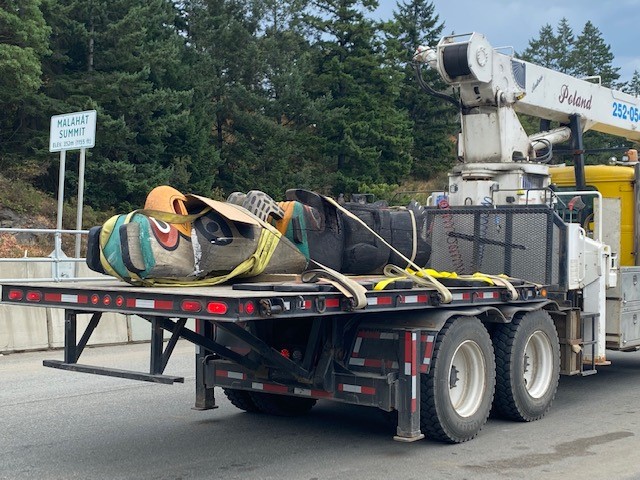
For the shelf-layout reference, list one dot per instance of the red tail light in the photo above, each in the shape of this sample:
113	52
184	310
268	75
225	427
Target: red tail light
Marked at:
34	296
15	294
191	306
217	308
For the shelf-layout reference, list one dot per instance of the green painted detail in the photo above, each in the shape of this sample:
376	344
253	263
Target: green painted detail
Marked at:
111	250
145	244
298	213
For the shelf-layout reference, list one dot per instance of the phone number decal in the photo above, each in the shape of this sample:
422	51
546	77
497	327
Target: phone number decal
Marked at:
625	112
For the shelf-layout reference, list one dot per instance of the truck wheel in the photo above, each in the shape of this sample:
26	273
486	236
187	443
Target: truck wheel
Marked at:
241	399
282	405
527	366
457	392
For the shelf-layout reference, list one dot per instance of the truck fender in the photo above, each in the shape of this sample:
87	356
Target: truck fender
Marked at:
509	311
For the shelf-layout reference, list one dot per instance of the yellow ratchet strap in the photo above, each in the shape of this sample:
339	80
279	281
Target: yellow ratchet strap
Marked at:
419	277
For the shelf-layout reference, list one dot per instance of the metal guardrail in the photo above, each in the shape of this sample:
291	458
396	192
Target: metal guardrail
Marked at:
60	262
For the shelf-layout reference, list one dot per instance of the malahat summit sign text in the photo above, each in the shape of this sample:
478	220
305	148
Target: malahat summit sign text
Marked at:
72	131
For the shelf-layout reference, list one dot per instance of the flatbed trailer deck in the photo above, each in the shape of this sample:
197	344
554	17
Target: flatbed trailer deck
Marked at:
273	344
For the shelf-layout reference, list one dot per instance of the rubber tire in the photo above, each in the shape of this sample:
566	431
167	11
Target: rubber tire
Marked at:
513	400
282	405
439	420
241	399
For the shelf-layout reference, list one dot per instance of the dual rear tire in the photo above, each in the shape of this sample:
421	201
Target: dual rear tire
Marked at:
519	362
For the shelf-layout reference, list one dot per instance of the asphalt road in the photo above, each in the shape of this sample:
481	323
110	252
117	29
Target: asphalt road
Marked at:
62	425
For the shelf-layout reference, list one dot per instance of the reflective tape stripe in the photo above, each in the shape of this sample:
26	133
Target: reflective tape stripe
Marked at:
269	387
66	298
230	374
345	387
358	344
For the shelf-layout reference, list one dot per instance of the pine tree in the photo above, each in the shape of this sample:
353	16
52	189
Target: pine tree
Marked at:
126	59
592	56
227	69
365	136
276	136
24	43
543	50
435	122
564	45
633	87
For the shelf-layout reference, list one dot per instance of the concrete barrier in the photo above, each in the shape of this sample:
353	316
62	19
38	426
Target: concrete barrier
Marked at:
37	328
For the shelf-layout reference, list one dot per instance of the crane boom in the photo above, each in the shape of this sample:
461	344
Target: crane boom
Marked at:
494	88
555	96
490	81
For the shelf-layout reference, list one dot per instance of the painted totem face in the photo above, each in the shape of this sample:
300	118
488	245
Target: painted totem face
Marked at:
156	248
220	244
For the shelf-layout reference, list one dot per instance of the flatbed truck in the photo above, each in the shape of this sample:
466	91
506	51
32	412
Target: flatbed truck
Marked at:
568	289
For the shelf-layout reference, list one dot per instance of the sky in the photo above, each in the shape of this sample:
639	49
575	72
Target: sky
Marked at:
513	23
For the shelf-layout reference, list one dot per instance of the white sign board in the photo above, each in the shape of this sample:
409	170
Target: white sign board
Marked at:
72	131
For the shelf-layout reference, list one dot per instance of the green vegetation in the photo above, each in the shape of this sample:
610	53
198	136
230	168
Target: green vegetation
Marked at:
213	96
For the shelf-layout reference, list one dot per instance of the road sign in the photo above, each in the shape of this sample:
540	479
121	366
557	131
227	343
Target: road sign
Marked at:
72	131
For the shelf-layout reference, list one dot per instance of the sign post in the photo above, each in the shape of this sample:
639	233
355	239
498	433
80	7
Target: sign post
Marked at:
71	131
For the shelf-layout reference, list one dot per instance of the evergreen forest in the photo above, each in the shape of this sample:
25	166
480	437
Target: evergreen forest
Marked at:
215	96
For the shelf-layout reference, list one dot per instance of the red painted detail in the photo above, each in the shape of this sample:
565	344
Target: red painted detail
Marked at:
414	405
369	334
372	362
217	308
15	295
269	387
332	302
368	390
385	300
407	347
191	306
428	350
48	297
167	235
466	296
375	363
83	299
163	305
321	394
423	368
423	298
